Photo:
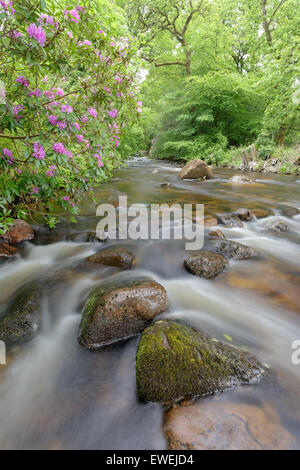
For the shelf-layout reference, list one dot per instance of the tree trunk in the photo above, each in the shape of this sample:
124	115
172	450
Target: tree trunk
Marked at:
265	22
281	137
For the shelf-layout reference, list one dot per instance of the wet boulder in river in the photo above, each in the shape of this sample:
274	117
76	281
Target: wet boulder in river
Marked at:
22	319
19	232
7	252
195	169
277	225
217	234
262	213
213	424
244	214
230	220
114	256
232	249
175	361
240	179
205	264
118	309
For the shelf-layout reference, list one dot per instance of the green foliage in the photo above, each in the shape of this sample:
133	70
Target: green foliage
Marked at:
230	78
206	115
68	72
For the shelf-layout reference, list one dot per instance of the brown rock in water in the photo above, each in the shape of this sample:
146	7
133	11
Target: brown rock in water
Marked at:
113	256
217	234
261	213
7	251
19	232
240	179
206	264
118	309
232	249
195	169
277	225
208	221
22	319
230	220
210	424
244	214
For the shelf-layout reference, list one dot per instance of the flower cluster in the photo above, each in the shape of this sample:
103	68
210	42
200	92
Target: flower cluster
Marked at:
37	33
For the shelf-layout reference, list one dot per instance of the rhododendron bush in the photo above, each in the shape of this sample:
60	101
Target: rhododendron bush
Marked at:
67	97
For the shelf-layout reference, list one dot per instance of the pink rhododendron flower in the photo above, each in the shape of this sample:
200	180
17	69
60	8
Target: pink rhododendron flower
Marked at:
72	15
37	33
58	148
76	125
61	124
7	153
59	92
38	151
66	108
51	171
35	92
22	80
66	198
84	119
52	119
79	138
93	112
113	113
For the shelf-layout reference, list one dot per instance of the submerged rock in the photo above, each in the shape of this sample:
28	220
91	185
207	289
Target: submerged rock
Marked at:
114	256
175	361
262	213
240	179
166	185
22	319
7	252
119	309
205	264
195	169
244	214
19	232
210	424
230	220
277	225
233	249
217	234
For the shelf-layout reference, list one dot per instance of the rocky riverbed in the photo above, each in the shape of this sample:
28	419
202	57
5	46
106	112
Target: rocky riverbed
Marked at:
144	345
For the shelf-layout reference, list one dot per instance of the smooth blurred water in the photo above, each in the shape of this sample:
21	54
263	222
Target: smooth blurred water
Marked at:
54	394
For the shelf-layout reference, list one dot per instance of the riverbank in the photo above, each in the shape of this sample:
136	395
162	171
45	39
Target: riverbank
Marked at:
281	161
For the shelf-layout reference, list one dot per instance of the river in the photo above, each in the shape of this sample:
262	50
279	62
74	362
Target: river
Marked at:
56	395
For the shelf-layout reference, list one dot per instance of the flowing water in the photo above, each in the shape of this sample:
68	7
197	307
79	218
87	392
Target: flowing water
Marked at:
56	395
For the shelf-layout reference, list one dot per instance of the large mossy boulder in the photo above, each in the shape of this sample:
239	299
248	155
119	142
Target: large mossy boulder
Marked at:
175	361
120	309
118	257
22	319
195	169
205	264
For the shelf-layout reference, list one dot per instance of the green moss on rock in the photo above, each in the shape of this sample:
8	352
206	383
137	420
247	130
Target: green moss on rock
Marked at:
175	361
